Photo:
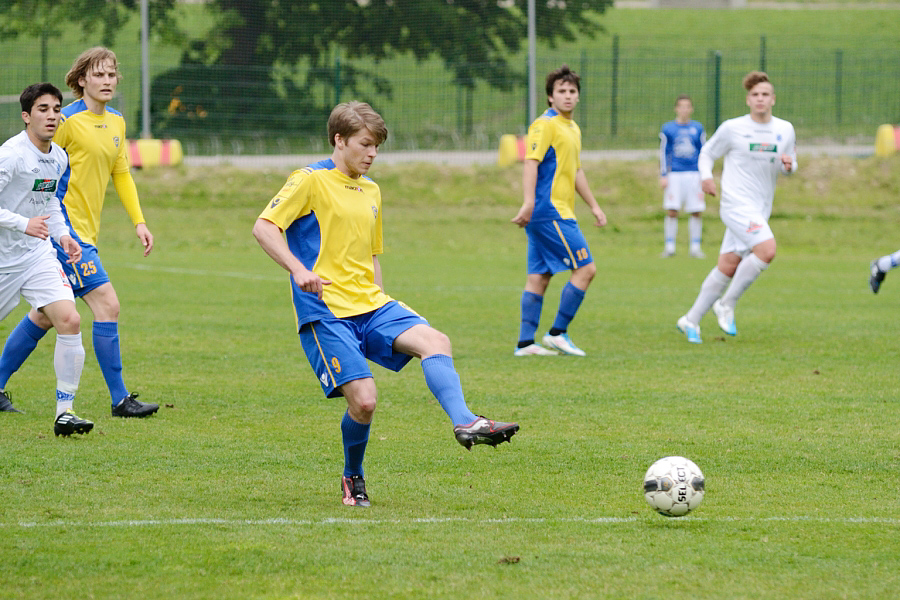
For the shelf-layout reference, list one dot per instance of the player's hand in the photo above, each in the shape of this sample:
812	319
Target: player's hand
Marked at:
788	162
145	236
599	217
37	228
310	282
523	217
708	186
664	182
72	248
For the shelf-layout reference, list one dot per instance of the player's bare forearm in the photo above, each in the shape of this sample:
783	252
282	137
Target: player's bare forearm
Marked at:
272	241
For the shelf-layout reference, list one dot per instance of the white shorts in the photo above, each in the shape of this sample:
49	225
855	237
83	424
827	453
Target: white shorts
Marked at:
683	190
743	231
42	283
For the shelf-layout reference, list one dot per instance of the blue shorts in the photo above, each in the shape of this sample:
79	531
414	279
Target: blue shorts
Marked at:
555	246
337	349
87	274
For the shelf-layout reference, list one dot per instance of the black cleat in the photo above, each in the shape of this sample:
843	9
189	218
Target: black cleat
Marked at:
6	403
484	431
68	423
130	406
354	488
876	277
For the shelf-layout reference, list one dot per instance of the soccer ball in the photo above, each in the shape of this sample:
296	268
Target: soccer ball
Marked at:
673	486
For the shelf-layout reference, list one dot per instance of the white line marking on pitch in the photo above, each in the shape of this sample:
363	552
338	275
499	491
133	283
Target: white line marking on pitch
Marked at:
437	520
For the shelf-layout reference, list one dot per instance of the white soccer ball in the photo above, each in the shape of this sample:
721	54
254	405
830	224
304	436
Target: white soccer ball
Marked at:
674	486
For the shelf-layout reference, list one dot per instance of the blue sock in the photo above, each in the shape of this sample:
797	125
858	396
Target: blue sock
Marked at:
443	381
106	347
569	302
355	437
531	316
19	345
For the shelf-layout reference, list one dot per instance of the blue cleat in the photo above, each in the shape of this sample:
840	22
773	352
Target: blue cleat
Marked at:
690	330
725	317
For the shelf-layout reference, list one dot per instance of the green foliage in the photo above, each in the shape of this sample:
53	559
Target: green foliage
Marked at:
232	490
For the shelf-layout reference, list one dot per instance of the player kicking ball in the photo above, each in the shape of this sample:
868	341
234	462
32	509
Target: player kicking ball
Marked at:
324	227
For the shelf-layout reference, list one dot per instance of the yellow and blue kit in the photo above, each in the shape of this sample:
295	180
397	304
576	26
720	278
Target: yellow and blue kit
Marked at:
96	148
555	142
332	224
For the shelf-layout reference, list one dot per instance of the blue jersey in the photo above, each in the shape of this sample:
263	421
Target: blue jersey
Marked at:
679	146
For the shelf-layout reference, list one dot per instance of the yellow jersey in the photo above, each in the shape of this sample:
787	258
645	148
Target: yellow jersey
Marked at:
555	142
96	148
332	224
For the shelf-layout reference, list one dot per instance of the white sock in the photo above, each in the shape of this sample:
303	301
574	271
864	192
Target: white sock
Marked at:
889	261
747	272
712	287
68	361
695	226
670	231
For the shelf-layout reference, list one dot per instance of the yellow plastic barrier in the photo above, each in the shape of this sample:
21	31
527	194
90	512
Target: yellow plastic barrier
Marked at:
887	140
512	149
154	153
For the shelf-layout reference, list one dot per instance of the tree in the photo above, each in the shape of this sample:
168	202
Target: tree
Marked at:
46	19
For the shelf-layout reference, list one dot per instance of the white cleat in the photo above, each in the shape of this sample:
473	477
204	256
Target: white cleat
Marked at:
690	330
562	343
725	317
697	253
535	350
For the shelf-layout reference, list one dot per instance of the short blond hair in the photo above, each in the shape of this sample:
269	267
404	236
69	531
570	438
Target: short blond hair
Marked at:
348	118
85	62
754	78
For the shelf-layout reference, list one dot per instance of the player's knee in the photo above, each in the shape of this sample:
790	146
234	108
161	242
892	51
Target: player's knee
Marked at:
69	323
440	343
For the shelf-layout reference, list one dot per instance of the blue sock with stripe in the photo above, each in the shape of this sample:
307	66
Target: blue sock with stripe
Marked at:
443	381
569	301
531	316
19	345
355	437
106	346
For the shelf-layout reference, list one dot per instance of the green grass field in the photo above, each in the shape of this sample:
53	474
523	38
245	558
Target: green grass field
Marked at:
232	489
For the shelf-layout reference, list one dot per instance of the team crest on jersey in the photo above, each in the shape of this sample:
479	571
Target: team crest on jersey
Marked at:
44	185
116	140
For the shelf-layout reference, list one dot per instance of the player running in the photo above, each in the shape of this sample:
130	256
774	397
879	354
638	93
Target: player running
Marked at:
757	147
324	228
93	135
31	166
552	174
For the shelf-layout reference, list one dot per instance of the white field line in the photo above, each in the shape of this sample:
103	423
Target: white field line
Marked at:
438	520
283	278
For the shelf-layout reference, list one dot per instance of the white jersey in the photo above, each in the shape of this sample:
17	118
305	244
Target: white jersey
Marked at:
752	154
28	182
